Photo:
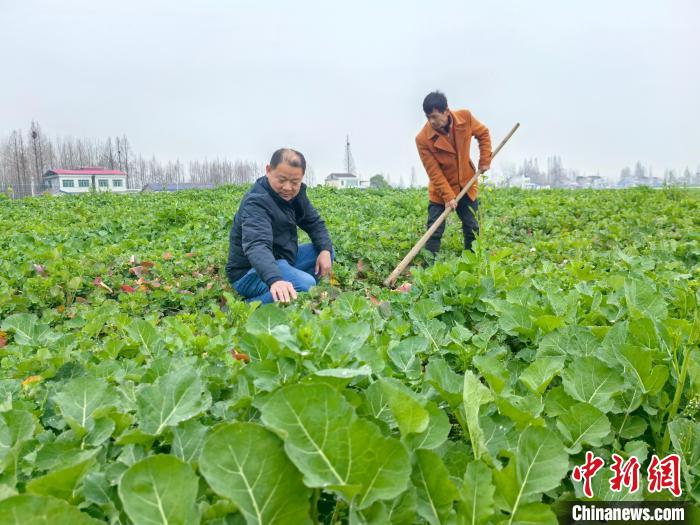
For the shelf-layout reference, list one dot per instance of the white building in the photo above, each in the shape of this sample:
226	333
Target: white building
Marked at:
526	183
82	180
343	180
590	181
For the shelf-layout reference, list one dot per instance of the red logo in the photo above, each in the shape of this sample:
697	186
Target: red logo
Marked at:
663	474
587	471
626	474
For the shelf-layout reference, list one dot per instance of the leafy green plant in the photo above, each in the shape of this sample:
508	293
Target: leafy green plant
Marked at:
138	388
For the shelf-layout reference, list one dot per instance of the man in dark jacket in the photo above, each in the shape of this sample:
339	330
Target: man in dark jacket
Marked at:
265	261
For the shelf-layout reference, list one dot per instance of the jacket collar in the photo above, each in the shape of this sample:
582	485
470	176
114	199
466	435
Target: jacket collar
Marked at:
458	120
265	184
440	140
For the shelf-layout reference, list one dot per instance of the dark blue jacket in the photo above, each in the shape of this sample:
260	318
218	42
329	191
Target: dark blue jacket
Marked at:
265	229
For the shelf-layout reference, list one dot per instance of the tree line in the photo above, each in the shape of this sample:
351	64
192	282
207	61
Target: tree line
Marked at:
555	175
26	156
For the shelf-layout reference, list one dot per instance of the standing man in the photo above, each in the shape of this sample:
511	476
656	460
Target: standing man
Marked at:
265	261
443	146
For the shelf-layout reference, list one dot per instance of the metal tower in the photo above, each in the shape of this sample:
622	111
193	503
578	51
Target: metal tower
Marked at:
349	161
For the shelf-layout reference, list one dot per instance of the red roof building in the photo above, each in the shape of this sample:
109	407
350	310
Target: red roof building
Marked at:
82	180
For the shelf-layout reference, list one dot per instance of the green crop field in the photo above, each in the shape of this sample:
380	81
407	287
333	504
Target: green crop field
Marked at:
136	387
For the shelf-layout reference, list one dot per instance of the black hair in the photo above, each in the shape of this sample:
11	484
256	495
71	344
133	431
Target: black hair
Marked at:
434	100
289	156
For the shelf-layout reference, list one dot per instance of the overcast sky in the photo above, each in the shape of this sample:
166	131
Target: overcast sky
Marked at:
601	83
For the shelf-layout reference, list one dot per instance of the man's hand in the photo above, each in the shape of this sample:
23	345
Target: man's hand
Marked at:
283	291
484	169
323	263
452	204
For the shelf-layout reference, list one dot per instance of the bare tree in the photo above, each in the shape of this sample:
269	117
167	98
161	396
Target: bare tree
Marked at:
310	176
37	154
20	178
555	171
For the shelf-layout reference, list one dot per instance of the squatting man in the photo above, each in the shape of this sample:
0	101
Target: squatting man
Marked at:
265	261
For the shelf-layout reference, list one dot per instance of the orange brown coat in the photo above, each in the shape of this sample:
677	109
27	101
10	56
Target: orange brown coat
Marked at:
450	170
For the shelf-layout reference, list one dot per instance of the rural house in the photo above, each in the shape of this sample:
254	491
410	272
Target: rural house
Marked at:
82	180
343	180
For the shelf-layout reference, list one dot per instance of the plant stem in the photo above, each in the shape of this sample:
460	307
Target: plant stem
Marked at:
676	399
692	341
336	512
314	505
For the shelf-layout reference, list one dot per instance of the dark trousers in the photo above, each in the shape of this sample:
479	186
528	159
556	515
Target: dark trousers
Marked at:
466	209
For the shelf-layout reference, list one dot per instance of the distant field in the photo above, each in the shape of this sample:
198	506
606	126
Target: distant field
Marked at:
138	388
